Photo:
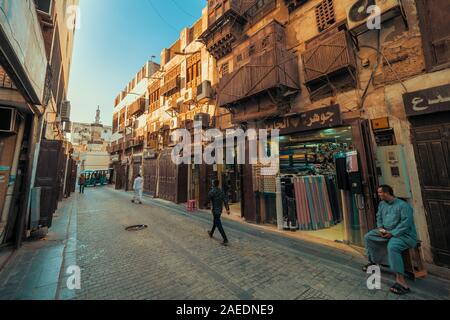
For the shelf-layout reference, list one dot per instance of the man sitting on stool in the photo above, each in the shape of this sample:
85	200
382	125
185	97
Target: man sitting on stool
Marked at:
395	233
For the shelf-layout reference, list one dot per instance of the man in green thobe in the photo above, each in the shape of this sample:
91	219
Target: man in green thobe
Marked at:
395	233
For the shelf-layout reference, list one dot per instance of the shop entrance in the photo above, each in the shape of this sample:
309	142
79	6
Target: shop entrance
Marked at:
231	185
322	184
431	136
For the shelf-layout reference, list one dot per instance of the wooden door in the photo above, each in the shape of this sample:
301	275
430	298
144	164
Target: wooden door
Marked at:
118	171
150	176
432	148
47	178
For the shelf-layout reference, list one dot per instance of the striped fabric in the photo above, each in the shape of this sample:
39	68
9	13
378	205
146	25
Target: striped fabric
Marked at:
313	204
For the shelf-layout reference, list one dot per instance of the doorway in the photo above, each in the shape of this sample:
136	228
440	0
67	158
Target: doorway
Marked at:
431	140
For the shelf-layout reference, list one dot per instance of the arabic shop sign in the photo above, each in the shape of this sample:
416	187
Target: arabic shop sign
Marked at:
427	101
327	117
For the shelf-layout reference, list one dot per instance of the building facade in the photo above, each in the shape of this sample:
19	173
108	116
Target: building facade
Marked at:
91	144
359	100
33	89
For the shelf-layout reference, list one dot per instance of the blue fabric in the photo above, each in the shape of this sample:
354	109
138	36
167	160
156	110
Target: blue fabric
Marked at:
396	218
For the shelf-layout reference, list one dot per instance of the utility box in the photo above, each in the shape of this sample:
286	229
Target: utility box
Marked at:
393	171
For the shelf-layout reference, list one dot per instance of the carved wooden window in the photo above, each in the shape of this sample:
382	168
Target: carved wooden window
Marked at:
172	81
155	96
194	70
225	69
115	127
325	15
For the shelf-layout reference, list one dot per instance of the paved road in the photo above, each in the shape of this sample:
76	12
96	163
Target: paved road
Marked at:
175	259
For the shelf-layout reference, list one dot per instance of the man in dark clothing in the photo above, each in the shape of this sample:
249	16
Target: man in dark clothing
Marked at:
218	200
82	182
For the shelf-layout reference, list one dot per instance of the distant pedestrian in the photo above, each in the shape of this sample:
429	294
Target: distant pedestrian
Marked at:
138	189
218	199
82	182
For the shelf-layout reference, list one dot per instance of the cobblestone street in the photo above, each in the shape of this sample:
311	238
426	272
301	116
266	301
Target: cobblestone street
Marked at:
175	259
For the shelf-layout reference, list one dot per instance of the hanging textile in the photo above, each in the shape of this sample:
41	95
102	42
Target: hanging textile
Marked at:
313	203
333	194
342	174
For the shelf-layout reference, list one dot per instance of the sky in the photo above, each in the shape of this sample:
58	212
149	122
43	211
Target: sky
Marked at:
115	39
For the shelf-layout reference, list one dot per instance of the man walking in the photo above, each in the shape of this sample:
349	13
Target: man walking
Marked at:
82	182
138	186
395	233
218	200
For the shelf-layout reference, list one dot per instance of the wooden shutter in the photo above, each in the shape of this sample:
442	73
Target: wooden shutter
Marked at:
435	27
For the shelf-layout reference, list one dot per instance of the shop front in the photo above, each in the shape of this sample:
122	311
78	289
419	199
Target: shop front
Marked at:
150	172
429	114
322	176
172	179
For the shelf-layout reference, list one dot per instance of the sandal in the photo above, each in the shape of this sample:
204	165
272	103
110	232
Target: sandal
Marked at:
398	289
366	267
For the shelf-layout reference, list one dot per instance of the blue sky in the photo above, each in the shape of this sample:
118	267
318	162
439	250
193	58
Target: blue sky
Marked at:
115	40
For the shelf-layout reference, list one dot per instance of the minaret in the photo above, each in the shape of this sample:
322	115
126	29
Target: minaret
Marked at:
97	116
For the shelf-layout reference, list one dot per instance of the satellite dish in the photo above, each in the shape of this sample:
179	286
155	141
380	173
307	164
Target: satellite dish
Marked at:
358	12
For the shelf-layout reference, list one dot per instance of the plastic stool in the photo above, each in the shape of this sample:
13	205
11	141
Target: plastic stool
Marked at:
191	205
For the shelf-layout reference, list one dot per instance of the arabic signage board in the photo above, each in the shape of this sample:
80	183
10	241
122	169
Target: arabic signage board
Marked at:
427	101
323	118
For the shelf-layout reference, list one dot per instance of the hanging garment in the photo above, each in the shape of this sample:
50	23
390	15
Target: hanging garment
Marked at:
303	214
334	199
313	203
342	174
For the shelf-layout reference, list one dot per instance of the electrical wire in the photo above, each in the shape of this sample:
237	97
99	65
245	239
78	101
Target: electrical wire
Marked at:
182	9
150	3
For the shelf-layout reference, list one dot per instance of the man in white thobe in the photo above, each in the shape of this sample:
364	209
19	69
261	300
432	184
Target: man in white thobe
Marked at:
138	189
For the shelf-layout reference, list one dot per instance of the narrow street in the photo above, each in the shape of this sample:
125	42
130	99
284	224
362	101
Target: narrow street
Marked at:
175	259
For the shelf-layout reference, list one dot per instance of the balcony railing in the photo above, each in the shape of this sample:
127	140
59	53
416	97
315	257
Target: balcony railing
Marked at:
170	86
137	107
262	63
224	8
328	57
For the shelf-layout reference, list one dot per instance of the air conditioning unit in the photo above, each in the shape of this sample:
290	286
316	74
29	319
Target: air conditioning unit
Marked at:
188	96
204	91
204	118
8	120
174	124
65	110
358	14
